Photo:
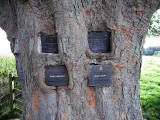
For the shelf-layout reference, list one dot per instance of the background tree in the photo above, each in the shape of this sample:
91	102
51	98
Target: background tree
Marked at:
150	51
154	27
127	20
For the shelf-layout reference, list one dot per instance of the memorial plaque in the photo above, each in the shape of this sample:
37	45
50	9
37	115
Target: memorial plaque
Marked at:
99	42
100	75
49	43
56	76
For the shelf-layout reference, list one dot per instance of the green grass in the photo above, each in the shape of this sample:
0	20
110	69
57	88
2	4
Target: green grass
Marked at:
150	88
7	66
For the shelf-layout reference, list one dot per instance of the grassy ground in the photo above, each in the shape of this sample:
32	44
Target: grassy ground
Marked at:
149	84
150	88
7	65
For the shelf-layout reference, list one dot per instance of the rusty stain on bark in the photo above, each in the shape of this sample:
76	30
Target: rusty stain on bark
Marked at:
132	60
119	66
121	29
29	116
91	99
127	43
89	12
66	116
35	101
118	82
138	29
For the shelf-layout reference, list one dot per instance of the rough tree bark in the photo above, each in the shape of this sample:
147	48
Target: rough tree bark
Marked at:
24	20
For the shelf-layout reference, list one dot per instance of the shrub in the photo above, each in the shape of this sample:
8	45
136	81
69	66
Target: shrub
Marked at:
150	51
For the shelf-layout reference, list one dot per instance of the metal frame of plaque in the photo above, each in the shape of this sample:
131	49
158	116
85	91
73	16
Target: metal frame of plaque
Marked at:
16	47
49	44
99	42
56	75
20	70
100	75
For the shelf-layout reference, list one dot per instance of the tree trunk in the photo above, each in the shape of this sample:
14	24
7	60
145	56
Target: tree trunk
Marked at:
128	20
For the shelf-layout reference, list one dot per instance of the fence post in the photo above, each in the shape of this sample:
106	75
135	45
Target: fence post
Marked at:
11	87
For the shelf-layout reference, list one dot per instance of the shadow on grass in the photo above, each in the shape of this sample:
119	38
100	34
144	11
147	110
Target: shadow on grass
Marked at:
151	107
9	116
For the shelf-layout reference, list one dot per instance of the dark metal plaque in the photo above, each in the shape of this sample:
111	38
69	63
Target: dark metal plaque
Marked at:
56	76
100	75
49	43
99	42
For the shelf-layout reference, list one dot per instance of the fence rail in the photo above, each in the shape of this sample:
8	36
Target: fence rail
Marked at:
12	100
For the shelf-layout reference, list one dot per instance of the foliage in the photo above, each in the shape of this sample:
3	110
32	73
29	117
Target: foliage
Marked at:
154	27
157	53
150	88
10	116
151	50
7	66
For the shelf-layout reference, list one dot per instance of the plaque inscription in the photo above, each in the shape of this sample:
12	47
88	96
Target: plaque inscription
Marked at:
100	75
49	43
56	75
99	42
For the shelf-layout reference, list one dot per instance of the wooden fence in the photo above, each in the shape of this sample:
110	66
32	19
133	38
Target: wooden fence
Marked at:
12	102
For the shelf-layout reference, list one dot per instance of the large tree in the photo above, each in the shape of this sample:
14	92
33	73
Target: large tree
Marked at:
25	20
